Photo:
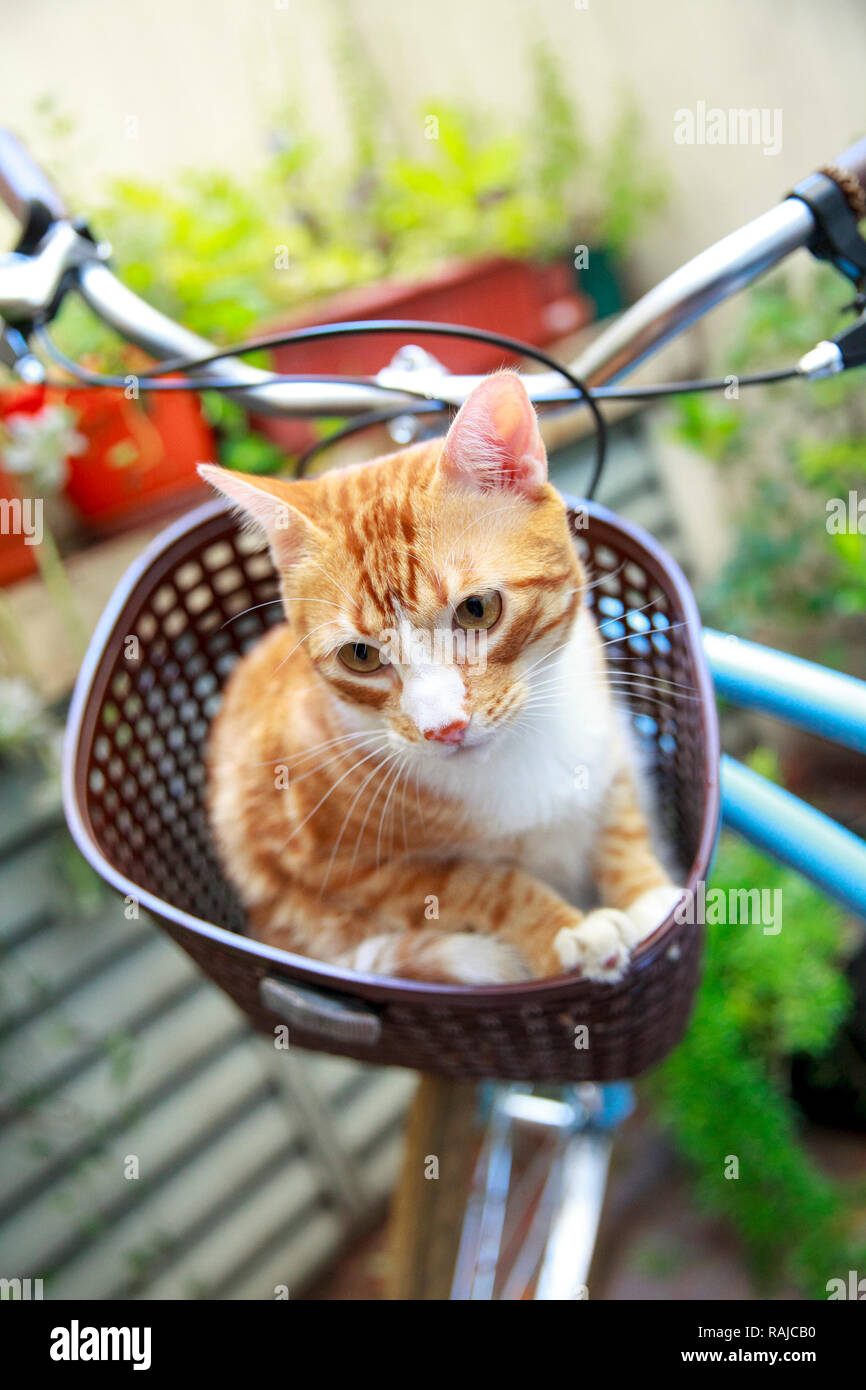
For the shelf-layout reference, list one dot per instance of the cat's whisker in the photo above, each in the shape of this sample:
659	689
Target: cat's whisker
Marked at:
322	570
329	602
564	679
403	796
636	683
393	783
300	642
335	757
308	753
432	545
330	792
418	794
645	697
602	678
547	657
252	608
608	574
661	681
633	661
343	827
384	768
602	579
638	686
329	742
434	582
630	636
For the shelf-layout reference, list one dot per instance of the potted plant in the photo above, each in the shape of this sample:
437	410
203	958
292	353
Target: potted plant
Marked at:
525	222
483	228
139	454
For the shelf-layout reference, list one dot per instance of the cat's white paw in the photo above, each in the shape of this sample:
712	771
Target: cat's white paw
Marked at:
471	959
651	908
599	946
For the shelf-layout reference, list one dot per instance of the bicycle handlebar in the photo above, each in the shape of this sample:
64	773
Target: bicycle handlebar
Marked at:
671	306
26	189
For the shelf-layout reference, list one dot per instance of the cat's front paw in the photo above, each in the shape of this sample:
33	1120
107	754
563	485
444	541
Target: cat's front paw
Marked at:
599	946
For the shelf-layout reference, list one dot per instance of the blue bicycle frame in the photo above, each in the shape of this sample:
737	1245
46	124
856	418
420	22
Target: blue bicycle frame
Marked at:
823	702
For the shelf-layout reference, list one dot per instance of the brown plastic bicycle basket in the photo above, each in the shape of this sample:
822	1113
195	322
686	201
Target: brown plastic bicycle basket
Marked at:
134	794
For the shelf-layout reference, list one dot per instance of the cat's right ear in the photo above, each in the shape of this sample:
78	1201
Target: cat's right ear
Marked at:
268	505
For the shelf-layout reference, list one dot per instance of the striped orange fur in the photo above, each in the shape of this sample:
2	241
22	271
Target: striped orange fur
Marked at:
460	813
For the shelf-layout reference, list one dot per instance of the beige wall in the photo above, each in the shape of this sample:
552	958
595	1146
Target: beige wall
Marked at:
201	76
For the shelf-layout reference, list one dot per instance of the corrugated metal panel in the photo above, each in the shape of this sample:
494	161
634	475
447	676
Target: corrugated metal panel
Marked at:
111	1046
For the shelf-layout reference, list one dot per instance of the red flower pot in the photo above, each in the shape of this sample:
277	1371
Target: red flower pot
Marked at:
537	303
141	455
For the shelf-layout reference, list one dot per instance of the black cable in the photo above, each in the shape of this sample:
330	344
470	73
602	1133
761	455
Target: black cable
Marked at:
683	388
357	426
317	332
514	346
149	380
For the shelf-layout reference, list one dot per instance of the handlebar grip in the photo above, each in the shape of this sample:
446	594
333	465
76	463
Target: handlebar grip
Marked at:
854	160
26	190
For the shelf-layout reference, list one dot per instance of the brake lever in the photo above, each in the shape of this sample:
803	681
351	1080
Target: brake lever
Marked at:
32	285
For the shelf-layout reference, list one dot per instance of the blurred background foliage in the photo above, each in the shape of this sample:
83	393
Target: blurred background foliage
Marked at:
224	256
783	451
229	257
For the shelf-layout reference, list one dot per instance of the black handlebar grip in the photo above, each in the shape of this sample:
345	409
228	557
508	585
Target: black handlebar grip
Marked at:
27	191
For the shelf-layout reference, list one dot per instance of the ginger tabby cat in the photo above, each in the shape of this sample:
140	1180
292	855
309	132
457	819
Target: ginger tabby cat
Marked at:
423	772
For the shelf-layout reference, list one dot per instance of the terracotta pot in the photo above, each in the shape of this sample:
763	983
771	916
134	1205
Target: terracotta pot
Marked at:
538	303
140	458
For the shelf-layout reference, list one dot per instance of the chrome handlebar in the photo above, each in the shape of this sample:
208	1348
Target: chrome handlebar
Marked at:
29	284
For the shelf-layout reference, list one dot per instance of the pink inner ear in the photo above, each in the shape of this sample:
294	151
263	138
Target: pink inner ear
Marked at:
494	441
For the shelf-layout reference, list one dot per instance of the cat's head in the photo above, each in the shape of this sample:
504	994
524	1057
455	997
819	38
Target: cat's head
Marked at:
430	587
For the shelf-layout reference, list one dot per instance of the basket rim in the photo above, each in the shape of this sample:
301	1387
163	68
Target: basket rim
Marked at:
87	694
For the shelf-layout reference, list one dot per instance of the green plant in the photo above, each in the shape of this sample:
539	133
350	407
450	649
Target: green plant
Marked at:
529	190
724	1092
785	451
225	256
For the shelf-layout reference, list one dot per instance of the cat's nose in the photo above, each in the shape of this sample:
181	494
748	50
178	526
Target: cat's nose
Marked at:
450	733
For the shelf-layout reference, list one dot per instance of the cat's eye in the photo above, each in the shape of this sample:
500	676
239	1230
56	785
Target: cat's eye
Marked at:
360	656
479	610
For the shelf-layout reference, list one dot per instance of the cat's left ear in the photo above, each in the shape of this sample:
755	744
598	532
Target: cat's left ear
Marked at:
494	442
272	505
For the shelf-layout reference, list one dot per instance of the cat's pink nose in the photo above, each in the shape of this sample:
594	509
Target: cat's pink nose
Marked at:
451	733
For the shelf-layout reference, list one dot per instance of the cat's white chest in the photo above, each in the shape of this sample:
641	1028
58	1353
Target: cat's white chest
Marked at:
564	807
540	796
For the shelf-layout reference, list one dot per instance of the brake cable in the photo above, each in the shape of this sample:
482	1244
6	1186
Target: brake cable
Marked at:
152	379
513	346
